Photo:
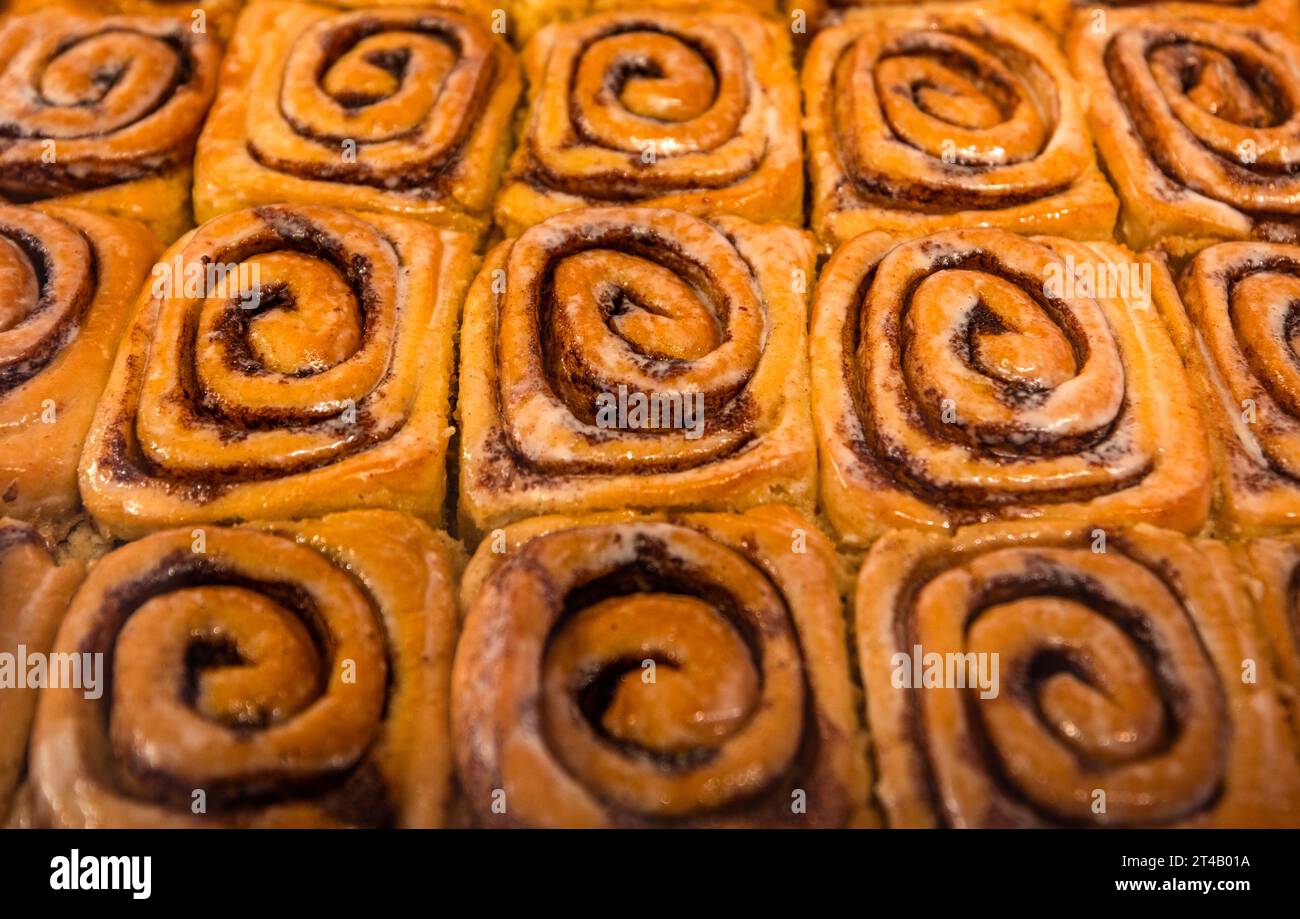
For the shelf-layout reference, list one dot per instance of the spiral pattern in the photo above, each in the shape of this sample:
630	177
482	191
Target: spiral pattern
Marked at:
696	112
403	87
605	306
1199	123
90	102
278	344
647	673
934	113
1238	323
268	676
969	375
1118	683
66	280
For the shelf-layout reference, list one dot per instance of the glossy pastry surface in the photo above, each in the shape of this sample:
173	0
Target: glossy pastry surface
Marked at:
293	675
927	118
695	111
625	670
617	358
34	593
67	281
304	368
1197	123
974	375
403	110
121	147
1100	680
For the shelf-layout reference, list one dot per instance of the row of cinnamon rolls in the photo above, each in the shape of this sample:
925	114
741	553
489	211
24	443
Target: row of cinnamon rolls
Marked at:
653	670
291	361
916	119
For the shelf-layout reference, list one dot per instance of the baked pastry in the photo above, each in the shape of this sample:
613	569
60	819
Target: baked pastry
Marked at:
633	671
932	117
305	370
216	17
527	17
1044	674
402	110
1234	325
34	592
619	358
698	112
1194	124
292	675
974	374
1272	575
121	146
67	280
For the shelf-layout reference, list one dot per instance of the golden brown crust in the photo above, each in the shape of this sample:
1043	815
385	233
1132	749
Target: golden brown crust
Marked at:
1271	570
398	110
1232	318
334	714
944	116
962	377
1122	696
703	321
559	720
1196	124
66	285
34	592
528	17
329	393
123	148
693	111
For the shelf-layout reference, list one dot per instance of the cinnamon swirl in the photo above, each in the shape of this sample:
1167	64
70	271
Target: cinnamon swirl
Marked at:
291	675
636	358
946	116
696	112
1048	674
34	593
102	113
1198	124
626	670
1235	324
307	372
398	110
67	279
975	374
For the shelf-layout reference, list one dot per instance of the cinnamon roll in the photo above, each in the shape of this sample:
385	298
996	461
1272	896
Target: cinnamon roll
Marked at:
67	279
34	593
1198	124
973	375
291	675
696	112
943	116
636	358
648	671
103	112
1235	324
1045	674
1272	575
390	109
285	361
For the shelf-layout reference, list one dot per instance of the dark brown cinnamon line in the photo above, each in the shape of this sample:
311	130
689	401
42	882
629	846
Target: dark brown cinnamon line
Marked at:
1014	809
14	374
428	178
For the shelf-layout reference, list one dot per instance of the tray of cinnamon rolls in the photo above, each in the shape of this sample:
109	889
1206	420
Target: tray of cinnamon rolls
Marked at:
718	413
